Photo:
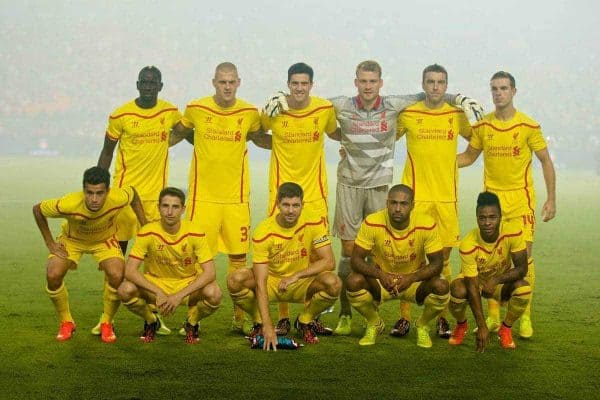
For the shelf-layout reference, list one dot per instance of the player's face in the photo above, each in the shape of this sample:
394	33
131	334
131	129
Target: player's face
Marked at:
502	92
435	85
488	220
300	86
171	209
399	206
226	84
148	85
368	84
289	211
95	196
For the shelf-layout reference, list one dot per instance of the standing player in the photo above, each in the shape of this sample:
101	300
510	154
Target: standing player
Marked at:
486	254
90	228
292	262
507	138
179	268
406	253
219	180
141	127
298	150
432	128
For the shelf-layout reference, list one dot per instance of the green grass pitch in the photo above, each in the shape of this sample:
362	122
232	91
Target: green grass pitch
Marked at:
561	361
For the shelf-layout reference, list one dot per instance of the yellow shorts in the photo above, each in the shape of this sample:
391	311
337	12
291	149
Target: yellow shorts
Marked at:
100	251
518	206
295	293
170	285
128	224
410	294
446	216
227	226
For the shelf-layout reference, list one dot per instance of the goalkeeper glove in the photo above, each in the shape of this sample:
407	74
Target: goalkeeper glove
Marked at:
276	104
468	104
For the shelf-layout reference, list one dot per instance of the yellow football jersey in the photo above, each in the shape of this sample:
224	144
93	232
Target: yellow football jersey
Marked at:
82	224
431	142
399	251
298	154
143	150
486	260
507	148
288	250
219	167
172	256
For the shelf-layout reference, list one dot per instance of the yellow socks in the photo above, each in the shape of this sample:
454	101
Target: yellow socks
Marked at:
111	302
204	310
60	299
517	304
458	308
433	306
138	306
246	299
362	301
317	304
530	277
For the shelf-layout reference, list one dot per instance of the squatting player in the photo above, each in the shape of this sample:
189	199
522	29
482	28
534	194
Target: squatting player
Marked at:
141	128
507	138
219	179
292	262
298	150
90	227
432	128
486	255
178	268
405	263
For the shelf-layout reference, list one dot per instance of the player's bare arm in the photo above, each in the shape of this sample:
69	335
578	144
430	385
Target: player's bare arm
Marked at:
519	270
58	249
549	208
106	154
261	139
433	268
336	135
261	273
138	208
474	298
325	261
180	132
468	156
360	266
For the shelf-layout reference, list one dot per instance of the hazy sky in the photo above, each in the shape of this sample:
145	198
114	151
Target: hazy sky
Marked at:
80	59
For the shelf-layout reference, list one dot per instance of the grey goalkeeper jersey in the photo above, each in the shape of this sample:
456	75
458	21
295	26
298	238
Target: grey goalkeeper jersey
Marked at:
369	138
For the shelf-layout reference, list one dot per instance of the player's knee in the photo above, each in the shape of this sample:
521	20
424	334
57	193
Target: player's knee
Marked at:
235	280
126	291
440	286
54	276
333	284
520	283
213	294
355	282
115	278
458	289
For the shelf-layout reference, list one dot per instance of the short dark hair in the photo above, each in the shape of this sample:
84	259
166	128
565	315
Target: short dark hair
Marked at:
488	199
300	68
507	75
172	191
96	176
153	70
289	190
402	188
435	68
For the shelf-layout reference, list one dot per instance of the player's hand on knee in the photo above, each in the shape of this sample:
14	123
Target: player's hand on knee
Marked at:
58	249
276	104
469	105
